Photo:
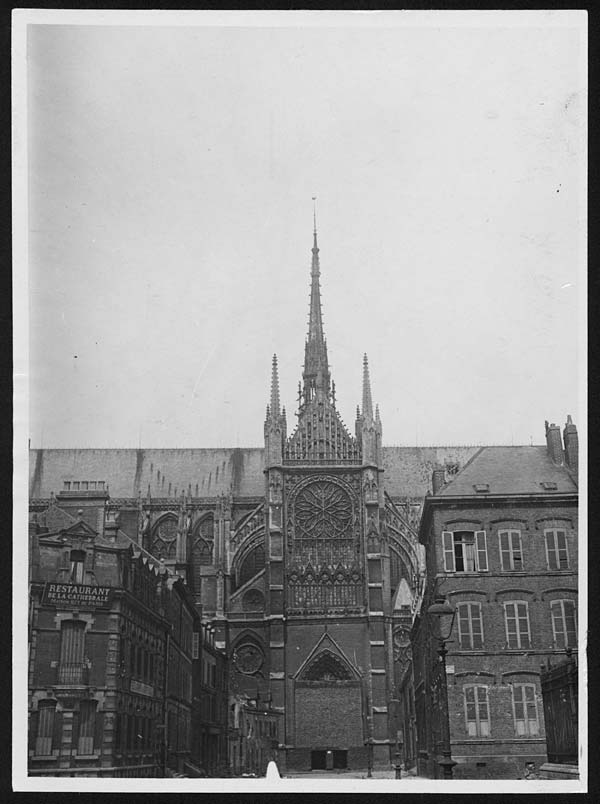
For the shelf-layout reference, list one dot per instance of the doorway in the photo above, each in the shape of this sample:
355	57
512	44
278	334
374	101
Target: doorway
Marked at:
333	759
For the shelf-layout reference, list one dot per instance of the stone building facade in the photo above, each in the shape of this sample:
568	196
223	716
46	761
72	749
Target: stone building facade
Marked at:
110	653
501	546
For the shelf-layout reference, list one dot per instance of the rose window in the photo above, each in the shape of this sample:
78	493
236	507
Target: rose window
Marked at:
323	510
248	659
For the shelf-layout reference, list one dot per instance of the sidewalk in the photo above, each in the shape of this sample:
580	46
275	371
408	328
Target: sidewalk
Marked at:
350	774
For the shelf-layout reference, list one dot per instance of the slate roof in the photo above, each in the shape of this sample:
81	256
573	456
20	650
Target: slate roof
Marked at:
510	470
129	471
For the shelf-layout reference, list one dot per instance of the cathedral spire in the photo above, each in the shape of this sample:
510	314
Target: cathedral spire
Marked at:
316	367
315	322
275	409
367	401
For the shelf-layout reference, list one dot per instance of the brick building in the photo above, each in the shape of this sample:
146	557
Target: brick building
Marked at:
110	652
253	729
210	694
501	546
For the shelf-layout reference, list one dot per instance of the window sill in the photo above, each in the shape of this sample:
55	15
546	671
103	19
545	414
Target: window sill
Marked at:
42	757
87	756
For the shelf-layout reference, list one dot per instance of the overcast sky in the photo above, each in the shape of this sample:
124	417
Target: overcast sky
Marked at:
171	171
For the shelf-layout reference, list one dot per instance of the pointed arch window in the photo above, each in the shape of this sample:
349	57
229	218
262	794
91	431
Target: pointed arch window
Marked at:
203	545
326	667
202	549
164	538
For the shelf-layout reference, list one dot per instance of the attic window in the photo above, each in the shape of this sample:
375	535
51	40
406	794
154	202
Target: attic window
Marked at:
549	485
481	488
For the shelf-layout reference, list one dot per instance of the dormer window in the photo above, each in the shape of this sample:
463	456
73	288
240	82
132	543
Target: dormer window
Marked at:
481	488
549	485
77	562
84	485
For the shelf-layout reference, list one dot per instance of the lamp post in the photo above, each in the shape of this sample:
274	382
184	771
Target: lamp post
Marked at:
444	613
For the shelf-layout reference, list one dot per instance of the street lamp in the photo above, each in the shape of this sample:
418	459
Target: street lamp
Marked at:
445	614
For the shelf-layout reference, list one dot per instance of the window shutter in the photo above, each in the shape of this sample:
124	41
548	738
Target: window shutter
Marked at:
504	549
477	625
33	728
98	732
76	728
448	544
561	550
482	563
570	624
517	550
511	624
523	625
551	550
463	625
557	623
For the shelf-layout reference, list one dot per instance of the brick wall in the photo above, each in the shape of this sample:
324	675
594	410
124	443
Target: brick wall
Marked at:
495	665
328	715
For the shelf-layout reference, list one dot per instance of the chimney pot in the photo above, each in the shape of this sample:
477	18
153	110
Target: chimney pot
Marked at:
571	440
554	443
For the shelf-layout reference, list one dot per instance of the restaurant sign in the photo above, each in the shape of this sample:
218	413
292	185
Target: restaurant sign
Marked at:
76	595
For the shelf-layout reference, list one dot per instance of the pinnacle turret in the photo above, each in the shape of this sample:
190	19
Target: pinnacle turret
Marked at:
275	408
367	401
275	420
368	427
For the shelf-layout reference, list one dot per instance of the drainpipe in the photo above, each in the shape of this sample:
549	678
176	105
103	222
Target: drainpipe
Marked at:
165	712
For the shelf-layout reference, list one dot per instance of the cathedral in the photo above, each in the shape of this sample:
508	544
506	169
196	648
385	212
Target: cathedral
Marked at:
302	557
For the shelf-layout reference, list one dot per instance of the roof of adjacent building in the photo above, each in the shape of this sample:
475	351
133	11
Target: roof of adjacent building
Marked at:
510	470
210	472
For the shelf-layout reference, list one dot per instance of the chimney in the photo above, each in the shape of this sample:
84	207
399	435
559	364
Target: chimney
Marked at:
571	440
438	479
554	443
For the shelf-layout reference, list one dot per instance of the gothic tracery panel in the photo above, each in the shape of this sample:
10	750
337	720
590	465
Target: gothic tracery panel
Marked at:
202	548
164	538
323	545
323	510
326	667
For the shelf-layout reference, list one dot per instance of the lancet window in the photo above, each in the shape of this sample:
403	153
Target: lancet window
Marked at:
202	548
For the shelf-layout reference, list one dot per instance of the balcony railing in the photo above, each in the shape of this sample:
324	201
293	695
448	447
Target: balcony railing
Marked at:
73	673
